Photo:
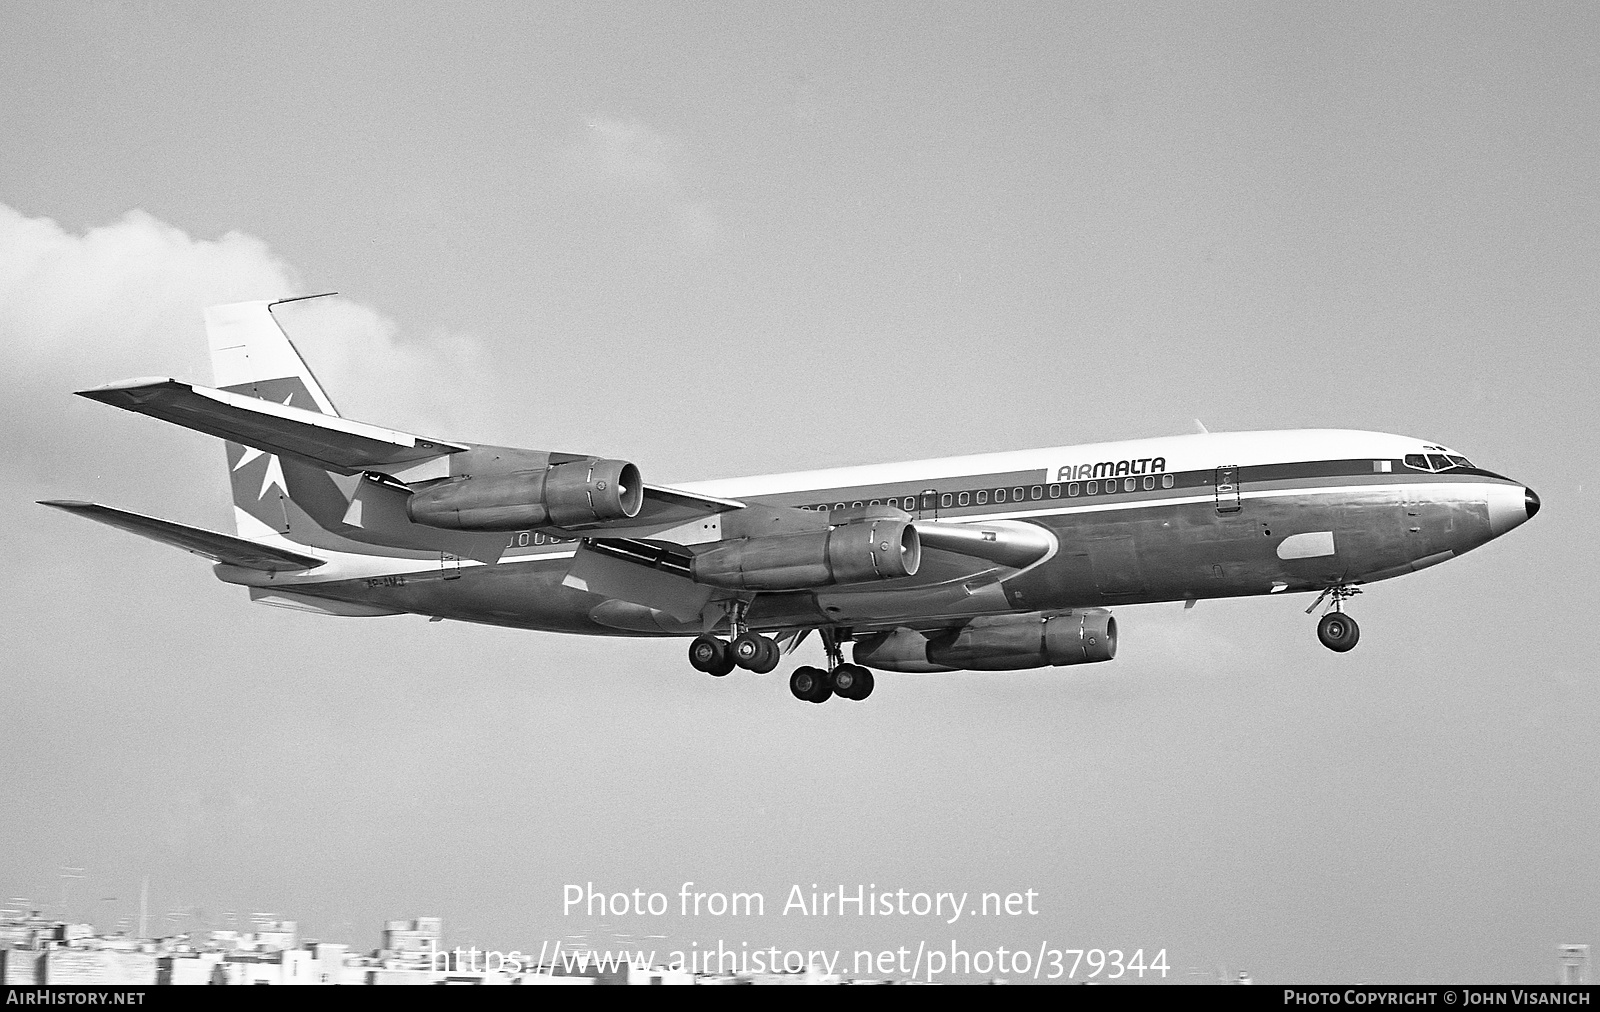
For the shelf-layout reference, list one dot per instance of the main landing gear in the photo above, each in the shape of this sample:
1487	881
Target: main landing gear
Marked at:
848	681
758	653
814	685
749	650
1337	631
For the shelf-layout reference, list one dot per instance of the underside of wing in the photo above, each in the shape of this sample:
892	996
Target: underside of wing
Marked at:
337	444
207	544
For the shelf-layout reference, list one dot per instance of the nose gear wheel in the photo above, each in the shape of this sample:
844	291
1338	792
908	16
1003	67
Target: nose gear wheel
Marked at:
1337	631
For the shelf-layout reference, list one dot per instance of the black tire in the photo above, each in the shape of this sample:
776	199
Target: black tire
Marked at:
864	684
823	690
803	682
707	653
845	679
771	655
748	650
726	665
1338	631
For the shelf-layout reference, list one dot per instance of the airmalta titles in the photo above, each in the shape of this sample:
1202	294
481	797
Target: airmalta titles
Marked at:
1112	469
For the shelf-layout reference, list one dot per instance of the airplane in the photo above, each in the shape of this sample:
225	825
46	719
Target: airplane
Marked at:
992	562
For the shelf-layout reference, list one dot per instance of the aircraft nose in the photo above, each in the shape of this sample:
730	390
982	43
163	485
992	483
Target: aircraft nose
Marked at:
1530	500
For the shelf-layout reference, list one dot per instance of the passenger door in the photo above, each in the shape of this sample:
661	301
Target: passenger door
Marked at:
1227	490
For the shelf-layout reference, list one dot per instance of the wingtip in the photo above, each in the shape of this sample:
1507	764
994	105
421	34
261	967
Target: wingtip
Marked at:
109	391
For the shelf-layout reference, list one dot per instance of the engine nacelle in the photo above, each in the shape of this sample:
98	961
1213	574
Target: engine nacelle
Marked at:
996	643
875	549
570	494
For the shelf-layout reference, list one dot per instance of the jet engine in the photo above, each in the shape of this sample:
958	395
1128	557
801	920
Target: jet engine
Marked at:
569	494
996	643
873	549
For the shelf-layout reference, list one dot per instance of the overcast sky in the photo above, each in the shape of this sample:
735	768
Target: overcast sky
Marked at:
723	240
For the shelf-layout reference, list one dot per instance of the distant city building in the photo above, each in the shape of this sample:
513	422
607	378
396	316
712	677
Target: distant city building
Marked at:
38	952
414	938
1574	964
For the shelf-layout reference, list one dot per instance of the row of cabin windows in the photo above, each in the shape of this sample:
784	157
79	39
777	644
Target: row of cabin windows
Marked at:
1020	493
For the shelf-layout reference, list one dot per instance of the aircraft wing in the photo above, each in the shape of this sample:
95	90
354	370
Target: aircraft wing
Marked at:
207	544
337	444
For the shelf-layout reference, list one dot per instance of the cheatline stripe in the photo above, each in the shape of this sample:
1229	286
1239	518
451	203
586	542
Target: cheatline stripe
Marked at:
381	566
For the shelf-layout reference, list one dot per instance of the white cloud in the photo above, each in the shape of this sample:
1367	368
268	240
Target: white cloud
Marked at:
120	295
127	298
629	160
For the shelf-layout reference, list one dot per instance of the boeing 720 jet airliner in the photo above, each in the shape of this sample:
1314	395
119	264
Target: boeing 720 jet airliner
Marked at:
993	562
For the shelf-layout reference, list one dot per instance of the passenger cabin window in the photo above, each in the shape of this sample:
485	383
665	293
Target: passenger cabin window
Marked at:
1072	489
983	496
1166	481
1129	484
944	501
1055	491
1093	488
999	495
1016	494
1149	481
1036	492
962	499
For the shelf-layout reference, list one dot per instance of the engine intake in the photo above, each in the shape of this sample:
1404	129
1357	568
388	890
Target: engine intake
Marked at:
576	493
880	549
996	643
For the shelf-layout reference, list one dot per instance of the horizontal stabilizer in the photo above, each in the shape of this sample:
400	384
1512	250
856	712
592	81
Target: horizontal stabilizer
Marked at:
336	444
208	544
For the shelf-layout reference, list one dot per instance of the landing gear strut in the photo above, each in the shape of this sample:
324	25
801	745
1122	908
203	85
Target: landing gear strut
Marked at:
1337	631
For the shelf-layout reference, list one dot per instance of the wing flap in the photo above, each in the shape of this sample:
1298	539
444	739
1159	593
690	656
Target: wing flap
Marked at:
207	544
639	573
337	444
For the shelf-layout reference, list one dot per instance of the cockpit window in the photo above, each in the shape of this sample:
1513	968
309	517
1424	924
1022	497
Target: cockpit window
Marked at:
1436	461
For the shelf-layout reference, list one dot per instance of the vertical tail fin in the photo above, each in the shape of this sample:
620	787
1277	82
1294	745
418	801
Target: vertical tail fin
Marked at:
252	355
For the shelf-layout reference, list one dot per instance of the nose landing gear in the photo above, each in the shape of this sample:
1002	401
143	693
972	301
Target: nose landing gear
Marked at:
1337	631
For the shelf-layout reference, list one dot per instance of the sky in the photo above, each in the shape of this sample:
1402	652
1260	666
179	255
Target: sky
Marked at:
733	239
